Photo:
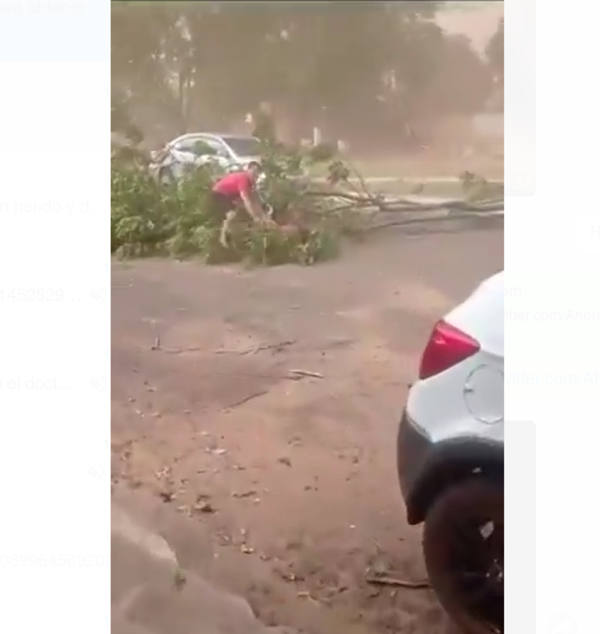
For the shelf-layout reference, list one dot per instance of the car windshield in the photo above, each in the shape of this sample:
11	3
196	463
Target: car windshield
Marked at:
243	145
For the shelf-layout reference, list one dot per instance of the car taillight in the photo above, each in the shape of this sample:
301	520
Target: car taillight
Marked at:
446	347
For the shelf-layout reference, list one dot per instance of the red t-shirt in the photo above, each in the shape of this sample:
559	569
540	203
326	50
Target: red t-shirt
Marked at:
233	185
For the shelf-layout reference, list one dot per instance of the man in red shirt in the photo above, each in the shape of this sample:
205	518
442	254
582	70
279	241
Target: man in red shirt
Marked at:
229	191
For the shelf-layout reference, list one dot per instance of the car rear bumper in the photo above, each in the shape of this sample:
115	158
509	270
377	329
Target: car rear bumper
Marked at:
414	448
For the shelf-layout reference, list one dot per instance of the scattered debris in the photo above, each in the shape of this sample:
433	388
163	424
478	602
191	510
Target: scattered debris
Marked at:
305	373
377	580
181	350
289	576
276	347
167	496
306	595
163	473
250	397
243	494
203	506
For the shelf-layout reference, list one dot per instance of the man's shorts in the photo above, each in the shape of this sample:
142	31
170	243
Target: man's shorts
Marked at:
219	205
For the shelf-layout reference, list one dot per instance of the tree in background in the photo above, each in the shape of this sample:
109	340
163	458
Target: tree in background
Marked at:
495	56
354	70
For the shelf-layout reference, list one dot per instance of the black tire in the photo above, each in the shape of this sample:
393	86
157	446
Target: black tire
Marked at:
463	545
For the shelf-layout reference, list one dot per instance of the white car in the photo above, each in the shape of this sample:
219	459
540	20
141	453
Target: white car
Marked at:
450	457
228	151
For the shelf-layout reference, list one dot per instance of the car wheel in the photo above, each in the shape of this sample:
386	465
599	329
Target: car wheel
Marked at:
463	544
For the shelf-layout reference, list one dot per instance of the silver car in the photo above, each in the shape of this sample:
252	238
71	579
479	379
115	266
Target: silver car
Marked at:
228	151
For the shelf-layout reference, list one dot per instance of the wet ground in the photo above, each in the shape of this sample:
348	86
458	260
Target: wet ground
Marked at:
263	405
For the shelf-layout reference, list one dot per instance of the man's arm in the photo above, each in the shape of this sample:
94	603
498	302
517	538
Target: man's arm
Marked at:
255	210
250	205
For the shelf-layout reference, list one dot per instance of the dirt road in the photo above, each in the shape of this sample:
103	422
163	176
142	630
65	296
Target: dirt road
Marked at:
216	412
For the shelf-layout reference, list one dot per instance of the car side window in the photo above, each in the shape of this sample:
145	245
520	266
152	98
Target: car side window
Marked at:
195	144
217	146
186	145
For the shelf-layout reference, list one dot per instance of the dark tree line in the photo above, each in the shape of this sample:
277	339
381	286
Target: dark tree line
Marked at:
495	57
331	64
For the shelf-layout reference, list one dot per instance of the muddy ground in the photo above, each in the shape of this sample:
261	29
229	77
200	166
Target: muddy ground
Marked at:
293	476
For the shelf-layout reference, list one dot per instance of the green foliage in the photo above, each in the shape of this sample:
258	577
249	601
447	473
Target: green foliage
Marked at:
121	121
286	185
149	218
337	172
321	153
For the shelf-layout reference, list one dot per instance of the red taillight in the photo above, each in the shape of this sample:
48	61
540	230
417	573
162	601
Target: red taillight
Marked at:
446	347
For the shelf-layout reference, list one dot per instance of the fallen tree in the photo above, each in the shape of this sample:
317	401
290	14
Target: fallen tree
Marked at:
149	218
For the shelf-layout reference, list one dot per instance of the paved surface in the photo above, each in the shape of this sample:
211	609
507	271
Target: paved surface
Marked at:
278	485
